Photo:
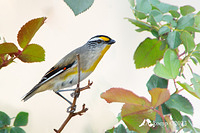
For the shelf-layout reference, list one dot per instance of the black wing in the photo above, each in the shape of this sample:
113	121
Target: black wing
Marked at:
53	72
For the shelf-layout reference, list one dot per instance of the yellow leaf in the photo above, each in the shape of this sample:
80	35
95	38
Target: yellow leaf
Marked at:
159	96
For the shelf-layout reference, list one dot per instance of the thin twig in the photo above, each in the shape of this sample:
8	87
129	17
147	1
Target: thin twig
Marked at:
175	85
72	112
87	86
181	54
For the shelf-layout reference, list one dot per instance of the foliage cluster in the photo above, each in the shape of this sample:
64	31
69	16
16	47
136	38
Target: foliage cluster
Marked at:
28	52
20	120
170	51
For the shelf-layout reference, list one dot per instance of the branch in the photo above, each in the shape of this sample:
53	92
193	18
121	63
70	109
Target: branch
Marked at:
76	94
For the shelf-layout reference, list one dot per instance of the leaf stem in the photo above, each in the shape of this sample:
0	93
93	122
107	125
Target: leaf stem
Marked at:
175	86
163	119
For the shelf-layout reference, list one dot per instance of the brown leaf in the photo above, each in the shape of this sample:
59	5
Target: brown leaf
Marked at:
27	31
124	96
159	96
134	115
8	48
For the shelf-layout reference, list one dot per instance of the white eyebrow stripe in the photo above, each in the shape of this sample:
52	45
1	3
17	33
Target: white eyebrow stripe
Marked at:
95	39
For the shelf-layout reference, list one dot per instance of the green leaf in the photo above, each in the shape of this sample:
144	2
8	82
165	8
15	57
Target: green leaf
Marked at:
164	44
188	41
154	2
196	77
194	60
167	18
140	15
156	129
120	129
140	30
110	130
152	20
188	88
173	39
179	103
165	111
170	69
198	47
134	115
154	32
196	55
147	53
4	130
143	6
8	48
132	3
164	8
192	29
4	119
163	30
119	117
140	24
188	126
27	31
156	82
17	130
79	6
185	21
197	20
174	13
21	119
197	129
176	115
196	83
186	10
173	23
198	13
157	15
33	53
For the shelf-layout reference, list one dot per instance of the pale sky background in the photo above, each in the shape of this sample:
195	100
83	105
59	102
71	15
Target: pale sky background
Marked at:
62	33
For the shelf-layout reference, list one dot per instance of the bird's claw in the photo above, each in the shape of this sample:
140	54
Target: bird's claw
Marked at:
71	109
74	94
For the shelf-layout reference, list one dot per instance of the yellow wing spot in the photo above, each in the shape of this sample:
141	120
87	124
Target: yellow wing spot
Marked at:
105	38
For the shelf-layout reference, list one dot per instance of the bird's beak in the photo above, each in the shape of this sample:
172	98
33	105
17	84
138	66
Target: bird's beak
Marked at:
111	41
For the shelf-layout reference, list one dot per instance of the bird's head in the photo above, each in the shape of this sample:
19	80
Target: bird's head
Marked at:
100	41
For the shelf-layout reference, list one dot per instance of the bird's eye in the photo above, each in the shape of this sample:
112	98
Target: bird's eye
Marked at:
99	41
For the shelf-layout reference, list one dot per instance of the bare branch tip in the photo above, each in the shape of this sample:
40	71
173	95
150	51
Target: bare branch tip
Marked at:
55	130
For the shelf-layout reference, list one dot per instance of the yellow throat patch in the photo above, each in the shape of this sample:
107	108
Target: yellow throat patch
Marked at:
97	61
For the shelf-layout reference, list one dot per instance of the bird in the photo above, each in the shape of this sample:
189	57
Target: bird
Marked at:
64	74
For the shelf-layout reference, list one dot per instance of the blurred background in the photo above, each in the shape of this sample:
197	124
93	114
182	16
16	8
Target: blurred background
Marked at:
62	33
